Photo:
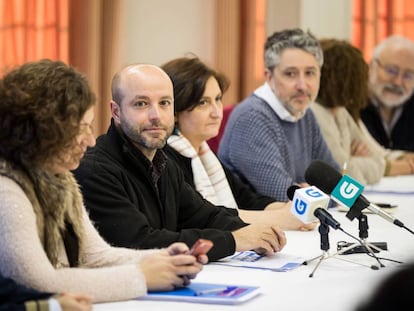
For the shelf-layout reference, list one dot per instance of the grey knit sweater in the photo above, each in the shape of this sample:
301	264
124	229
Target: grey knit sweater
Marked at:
269	153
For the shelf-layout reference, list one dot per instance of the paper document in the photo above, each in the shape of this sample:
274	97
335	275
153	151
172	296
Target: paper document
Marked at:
280	262
393	185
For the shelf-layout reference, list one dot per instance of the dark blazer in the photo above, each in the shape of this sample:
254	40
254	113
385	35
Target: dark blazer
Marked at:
13	295
246	198
129	210
402	135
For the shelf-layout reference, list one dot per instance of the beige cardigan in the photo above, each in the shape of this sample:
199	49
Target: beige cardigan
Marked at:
107	273
339	130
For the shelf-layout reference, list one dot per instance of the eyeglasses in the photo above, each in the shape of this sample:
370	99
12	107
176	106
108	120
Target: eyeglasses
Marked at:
394	72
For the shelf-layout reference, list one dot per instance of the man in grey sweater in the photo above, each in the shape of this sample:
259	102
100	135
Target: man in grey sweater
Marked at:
271	137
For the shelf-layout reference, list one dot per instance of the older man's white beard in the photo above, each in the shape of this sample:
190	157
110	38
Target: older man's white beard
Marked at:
397	99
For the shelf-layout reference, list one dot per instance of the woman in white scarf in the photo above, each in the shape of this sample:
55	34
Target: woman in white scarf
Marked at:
198	92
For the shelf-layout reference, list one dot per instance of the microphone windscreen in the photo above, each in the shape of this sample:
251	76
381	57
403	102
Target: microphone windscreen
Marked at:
322	175
291	191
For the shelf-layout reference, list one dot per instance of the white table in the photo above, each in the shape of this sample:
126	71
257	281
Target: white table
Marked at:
336	285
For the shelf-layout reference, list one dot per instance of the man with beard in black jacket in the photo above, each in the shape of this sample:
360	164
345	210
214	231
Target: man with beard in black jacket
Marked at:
138	198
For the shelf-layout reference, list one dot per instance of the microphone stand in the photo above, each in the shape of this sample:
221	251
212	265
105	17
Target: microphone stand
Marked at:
363	235
324	235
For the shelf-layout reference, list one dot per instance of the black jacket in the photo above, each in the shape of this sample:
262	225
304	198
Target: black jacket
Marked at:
129	211
402	135
13	295
245	197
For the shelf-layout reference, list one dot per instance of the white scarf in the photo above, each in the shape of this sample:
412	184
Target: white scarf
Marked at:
209	177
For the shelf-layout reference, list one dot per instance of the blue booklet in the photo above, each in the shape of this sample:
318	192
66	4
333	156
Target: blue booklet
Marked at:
207	293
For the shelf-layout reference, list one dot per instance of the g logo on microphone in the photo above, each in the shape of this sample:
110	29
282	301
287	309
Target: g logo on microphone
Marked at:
300	206
305	201
347	191
314	193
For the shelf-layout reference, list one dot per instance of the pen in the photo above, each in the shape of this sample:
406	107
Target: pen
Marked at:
344	167
214	290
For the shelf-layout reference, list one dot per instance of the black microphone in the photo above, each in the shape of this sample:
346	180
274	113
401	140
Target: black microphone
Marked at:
325	217
344	190
310	202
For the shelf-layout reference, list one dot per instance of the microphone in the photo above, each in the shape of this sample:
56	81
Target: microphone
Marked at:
344	190
309	204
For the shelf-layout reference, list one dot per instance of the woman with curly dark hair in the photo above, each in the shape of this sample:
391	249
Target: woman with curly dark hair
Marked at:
342	94
46	238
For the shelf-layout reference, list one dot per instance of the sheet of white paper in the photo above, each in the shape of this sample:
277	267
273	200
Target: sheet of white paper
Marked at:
280	262
387	185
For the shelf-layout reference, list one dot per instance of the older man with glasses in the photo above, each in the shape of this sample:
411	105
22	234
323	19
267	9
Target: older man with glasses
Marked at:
389	115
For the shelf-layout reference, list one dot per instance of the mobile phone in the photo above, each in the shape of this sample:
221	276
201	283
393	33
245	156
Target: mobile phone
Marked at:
201	247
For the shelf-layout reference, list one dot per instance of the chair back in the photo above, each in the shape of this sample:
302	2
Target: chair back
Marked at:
215	141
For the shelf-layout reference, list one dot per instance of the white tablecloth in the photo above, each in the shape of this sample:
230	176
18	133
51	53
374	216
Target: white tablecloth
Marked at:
336	285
